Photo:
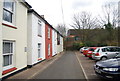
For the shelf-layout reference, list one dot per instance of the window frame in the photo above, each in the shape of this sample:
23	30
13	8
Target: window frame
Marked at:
12	23
39	28
39	50
49	49
49	32
13	49
58	39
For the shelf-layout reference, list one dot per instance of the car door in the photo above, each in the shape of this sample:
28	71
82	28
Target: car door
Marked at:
111	52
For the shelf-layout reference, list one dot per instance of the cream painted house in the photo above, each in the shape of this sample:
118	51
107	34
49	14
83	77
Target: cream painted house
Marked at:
36	38
1	9
13	37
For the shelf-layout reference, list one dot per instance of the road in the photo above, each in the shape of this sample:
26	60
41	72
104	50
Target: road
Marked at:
66	67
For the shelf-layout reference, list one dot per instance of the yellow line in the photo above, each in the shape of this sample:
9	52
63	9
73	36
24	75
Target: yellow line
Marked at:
82	67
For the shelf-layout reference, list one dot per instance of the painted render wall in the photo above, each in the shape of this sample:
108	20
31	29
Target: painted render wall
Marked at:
1	59
34	39
54	42
60	47
18	35
48	41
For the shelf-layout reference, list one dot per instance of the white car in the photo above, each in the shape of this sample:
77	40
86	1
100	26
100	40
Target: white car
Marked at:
103	53
82	49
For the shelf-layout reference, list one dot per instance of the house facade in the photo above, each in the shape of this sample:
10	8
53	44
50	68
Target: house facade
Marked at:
13	36
1	59
36	38
59	43
54	42
26	38
48	40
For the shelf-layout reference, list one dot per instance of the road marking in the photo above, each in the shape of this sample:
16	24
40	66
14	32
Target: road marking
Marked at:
31	77
81	67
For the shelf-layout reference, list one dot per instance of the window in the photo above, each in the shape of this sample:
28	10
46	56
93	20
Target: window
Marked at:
91	49
111	49
48	32
104	50
48	49
8	11
58	39
117	49
39	28
8	50
39	50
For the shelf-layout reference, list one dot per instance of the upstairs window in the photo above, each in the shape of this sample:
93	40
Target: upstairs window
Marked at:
8	10
39	28
48	32
58	39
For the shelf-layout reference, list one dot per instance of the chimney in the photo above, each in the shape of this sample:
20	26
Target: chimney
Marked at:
43	16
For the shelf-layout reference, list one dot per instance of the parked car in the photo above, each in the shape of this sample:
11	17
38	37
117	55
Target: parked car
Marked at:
103	53
90	51
109	69
82	49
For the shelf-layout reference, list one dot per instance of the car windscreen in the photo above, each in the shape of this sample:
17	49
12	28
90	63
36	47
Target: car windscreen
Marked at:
91	49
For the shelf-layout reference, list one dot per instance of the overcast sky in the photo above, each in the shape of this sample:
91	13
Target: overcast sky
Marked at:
52	11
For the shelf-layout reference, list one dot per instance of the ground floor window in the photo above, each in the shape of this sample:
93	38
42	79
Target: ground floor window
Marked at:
8	51
48	49
39	50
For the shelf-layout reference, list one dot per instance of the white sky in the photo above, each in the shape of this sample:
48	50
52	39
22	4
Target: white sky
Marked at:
51	9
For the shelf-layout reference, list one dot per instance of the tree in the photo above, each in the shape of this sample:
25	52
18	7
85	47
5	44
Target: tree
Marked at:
62	29
110	21
84	21
110	14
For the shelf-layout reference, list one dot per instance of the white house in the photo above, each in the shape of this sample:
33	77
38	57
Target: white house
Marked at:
13	36
54	42
36	38
59	42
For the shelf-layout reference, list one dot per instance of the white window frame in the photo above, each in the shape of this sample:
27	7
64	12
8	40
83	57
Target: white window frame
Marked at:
13	14
49	49
11	65
39	50
49	32
39	28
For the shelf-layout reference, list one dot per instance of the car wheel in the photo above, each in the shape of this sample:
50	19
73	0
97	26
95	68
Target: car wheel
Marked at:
85	55
103	58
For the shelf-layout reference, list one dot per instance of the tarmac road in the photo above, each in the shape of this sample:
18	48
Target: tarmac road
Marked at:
66	67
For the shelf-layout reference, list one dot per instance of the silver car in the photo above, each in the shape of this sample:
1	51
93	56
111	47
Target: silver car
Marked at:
103	53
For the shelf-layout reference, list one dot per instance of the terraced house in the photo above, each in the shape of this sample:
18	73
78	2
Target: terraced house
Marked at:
13	36
26	38
36	38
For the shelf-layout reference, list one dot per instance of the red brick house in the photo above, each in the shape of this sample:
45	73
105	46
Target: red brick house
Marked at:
48	40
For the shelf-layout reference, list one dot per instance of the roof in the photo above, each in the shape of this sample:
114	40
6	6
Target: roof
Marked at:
26	4
46	22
